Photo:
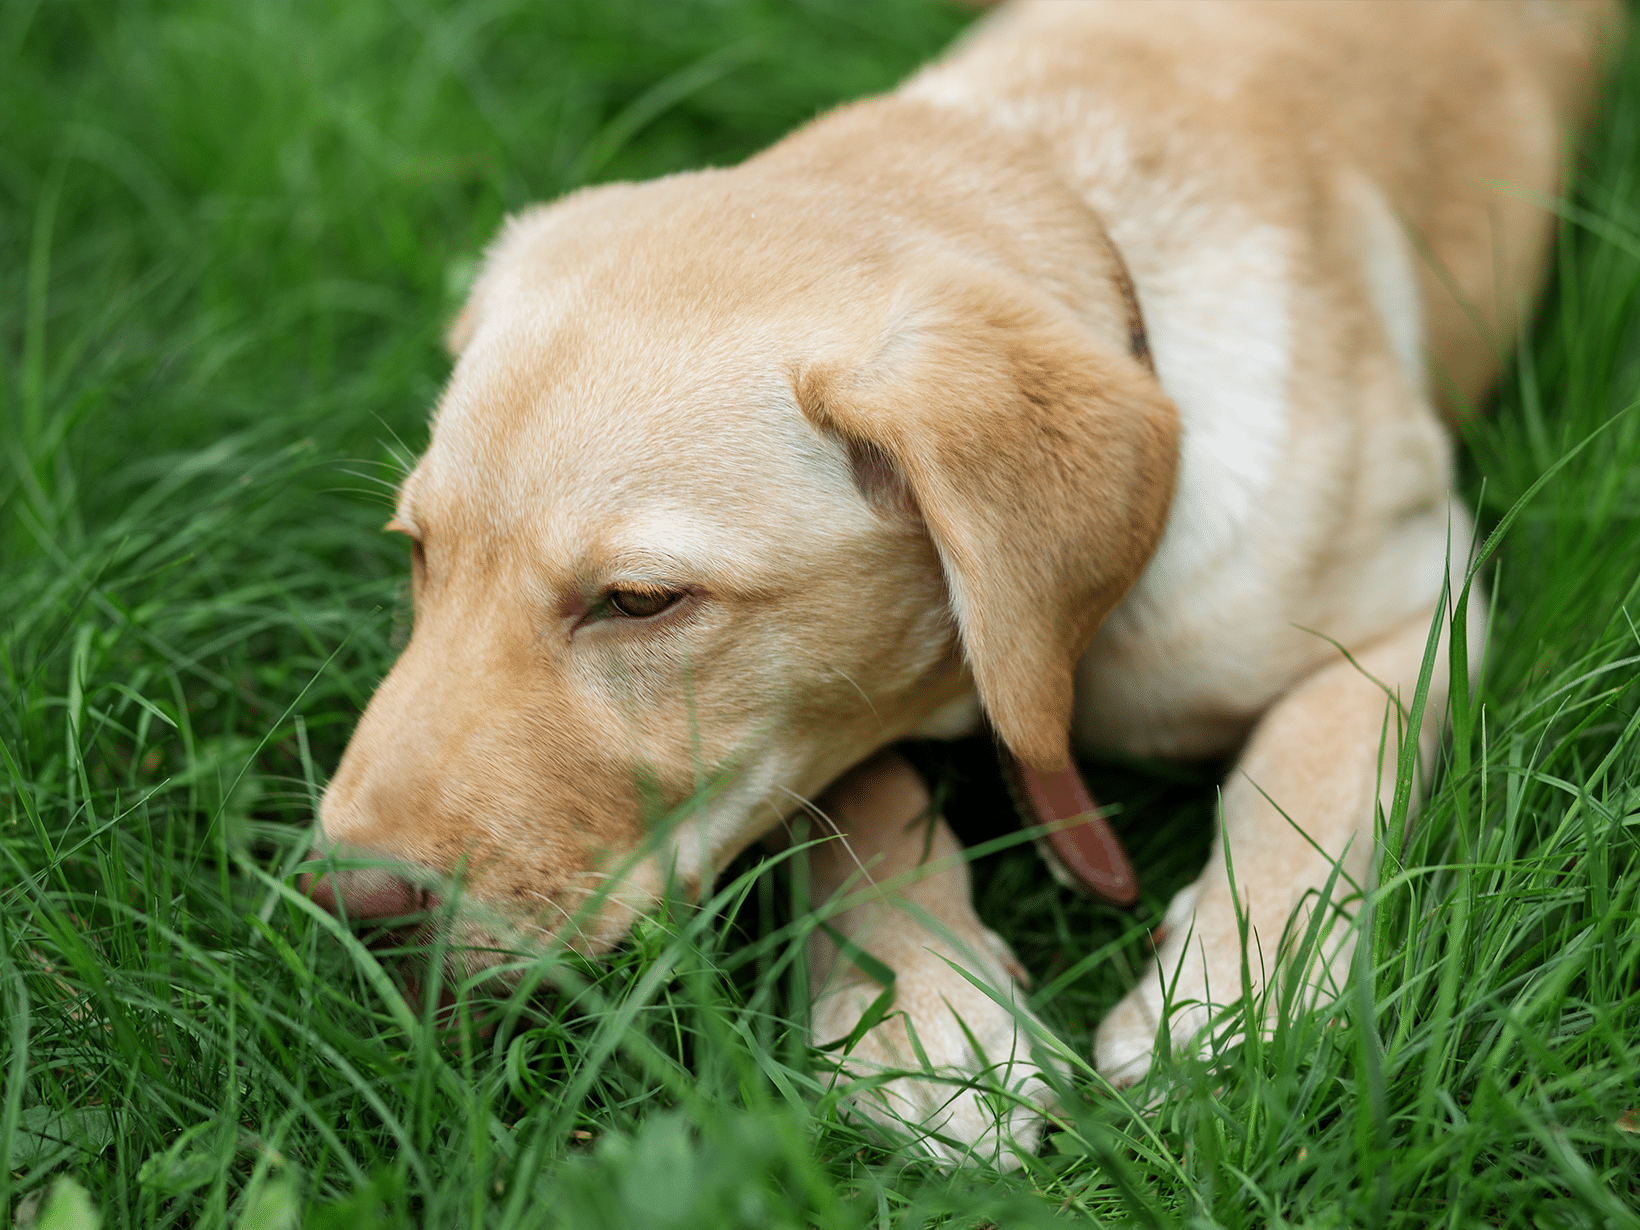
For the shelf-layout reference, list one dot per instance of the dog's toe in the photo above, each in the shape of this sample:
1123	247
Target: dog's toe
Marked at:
1126	1041
956	1113
953	1069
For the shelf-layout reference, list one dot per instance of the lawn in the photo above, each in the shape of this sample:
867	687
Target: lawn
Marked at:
230	236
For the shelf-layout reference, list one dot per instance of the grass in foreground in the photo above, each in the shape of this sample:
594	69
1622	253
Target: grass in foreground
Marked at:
230	236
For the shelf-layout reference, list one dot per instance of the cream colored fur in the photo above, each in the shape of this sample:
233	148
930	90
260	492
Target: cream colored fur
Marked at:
864	411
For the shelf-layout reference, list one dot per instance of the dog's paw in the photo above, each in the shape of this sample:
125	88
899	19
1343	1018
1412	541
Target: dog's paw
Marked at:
1193	966
1125	1044
1201	963
948	1066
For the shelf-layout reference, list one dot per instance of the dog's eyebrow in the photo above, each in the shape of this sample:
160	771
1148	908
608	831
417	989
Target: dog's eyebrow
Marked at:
656	565
670	546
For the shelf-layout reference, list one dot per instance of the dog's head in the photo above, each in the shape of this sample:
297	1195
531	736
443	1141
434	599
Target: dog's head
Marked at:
733	483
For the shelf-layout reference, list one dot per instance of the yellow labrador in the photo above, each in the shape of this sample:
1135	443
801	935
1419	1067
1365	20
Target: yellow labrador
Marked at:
763	469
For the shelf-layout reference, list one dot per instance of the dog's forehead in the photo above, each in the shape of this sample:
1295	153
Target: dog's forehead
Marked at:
605	423
580	439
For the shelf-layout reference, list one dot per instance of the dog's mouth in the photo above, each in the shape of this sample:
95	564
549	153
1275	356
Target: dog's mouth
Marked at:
447	966
411	919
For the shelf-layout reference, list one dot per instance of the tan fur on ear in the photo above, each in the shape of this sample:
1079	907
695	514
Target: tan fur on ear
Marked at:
1043	465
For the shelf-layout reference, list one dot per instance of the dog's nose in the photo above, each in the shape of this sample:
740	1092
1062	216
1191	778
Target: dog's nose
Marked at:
364	893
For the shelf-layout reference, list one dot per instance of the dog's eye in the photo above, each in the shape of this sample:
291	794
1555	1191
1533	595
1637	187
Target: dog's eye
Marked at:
640	603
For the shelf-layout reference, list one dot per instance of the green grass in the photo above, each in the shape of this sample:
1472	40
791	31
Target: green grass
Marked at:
229	237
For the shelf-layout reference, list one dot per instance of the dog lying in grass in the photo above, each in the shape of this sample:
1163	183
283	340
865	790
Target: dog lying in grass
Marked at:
1095	384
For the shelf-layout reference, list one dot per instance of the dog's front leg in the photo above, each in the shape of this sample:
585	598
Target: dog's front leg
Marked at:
979	1087
1321	759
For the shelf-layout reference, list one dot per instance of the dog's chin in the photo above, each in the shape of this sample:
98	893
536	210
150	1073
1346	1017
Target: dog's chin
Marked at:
477	966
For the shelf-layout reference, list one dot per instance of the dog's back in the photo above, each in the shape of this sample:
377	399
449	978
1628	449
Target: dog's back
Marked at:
1335	216
1460	110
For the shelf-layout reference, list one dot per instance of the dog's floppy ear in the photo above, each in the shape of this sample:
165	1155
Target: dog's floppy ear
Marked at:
1041	462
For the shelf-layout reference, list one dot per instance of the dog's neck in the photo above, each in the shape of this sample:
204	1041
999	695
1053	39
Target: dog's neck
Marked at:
1023	216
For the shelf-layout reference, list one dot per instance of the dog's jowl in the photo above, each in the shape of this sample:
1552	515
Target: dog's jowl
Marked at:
1096	384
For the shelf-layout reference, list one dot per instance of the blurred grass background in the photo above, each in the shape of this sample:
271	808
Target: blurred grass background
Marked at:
230	236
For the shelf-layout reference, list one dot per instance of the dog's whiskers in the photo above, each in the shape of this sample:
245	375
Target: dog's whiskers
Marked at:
850	680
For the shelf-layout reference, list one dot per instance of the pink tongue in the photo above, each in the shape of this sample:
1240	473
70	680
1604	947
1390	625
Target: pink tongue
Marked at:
1089	853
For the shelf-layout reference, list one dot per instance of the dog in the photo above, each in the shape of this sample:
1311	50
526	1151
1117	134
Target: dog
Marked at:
1096	384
